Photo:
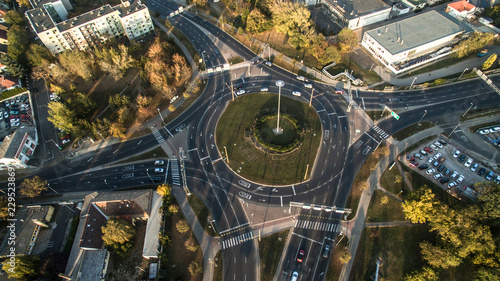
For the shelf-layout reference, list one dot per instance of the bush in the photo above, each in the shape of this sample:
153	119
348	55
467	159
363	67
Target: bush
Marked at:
182	226
195	268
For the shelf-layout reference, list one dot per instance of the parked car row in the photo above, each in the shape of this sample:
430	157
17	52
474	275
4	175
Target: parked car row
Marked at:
15	110
473	166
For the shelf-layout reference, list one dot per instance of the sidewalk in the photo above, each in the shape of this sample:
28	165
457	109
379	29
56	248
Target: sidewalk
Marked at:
354	228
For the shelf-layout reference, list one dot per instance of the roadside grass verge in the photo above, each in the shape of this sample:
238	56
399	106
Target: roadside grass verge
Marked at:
417	144
233	133
478	113
398	248
376	115
336	266
270	251
202	213
411	130
218	267
477	127
380	212
434	66
235	60
72	233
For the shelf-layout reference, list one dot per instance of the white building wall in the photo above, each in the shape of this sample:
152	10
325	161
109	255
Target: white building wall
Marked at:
369	19
51	39
137	24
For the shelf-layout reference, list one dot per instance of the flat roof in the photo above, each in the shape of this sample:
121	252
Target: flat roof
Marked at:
93	263
415	31
85	18
356	8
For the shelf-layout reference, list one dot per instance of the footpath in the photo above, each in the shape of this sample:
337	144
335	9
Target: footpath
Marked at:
354	228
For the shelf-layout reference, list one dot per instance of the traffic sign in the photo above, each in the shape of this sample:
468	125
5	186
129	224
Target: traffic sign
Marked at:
395	115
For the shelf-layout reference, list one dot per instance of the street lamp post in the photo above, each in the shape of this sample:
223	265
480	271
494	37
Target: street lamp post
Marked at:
454	129
107	183
55	143
462	74
147	172
311	100
425	112
159	112
52	188
413	82
280	84
471	104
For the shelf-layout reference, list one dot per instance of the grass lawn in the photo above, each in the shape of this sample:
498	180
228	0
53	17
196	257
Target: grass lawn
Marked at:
378	212
478	113
376	115
202	214
411	130
10	93
270	251
235	60
387	180
218	267
335	266
488	124
396	246
233	132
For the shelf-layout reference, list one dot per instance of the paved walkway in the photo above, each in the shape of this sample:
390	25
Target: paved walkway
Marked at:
354	228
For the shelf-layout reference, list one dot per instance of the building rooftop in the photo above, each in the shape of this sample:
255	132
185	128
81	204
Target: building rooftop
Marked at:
92	234
418	30
356	8
125	10
40	19
84	18
7	81
462	5
11	144
92	265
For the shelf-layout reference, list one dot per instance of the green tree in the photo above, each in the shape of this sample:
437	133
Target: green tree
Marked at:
182	226
489	62
119	101
61	116
173	209
119	235
115	61
195	268
418	208
424	274
473	44
26	267
191	245
81	105
487	274
257	22
78	63
13	17
489	200
13	67
39	55
324	52
438	256
347	39
4	207
164	190
33	187
117	130
384	200
18	43
24	3
201	3
293	20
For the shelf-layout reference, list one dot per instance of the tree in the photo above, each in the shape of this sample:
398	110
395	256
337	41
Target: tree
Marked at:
191	245
293	20
26	267
117	130
81	105
489	200
347	39
424	274
55	263
489	62
118	101
78	63
173	209
384	200
438	256
119	235
13	67
61	116
257	22
13	17
195	268
18	43
164	190
417	208
201	3
39	55
344	255
24	3
4	207
115	61
323	51
33	187
473	44
182	226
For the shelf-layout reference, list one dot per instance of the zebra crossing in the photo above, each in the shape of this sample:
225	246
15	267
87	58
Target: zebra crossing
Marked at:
50	244
381	132
158	136
237	240
176	179
317	225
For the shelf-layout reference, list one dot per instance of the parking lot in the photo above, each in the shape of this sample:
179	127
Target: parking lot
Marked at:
15	112
449	167
491	134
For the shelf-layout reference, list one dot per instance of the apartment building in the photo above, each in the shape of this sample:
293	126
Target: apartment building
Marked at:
49	20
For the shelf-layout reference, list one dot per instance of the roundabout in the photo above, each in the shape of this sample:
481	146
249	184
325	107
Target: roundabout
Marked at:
247	136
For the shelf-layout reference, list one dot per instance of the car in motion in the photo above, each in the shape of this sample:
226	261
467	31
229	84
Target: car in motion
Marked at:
159	170
296	93
264	89
295	276
241	92
308	85
302	78
159	162
300	255
268	63
326	251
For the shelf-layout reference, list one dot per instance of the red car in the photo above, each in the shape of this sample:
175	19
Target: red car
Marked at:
428	149
300	255
14	117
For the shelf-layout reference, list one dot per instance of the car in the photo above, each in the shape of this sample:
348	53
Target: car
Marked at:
155	179
295	276
410	158
435	164
51	96
423	152
18	99
159	170
437	156
238	87
423	166
468	162
481	171
489	176
15	124
35	90
417	155
437	176
444	180
12	101
14	120
430	160
1	116
268	63
462	158
428	149
441	167
65	141
300	255
442	159
452	184
484	132
460	179
483	53
457	152
497	179
14	117
438	144
14	112
414	164
126	176
264	89
430	171
474	167
241	92
296	93
128	168
447	172
433	147
308	85
454	175
301	78
326	251
5	115
159	162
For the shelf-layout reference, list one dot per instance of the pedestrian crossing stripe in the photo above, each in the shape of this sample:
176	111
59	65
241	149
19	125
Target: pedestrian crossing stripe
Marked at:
237	240
158	137
175	173
380	132
316	225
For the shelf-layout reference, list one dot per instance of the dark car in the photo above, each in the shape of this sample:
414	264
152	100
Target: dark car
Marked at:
410	158
300	255
443	142
481	171
441	167
156	179
444	180
423	166
326	251
462	158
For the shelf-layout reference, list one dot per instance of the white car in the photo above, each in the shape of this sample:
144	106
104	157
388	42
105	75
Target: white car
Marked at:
460	179
241	92
474	167
301	78
296	93
437	176
433	147
14	121
65	141
468	163
430	171
15	124
159	170
264	89
484	132
1	116
455	155
308	85
452	184
437	156
438	144
268	63
5	115
430	160
159	162
454	175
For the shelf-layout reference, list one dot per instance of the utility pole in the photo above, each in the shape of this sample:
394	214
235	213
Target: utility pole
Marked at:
227	155
350	95
280	84
232	90
311	100
307	169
